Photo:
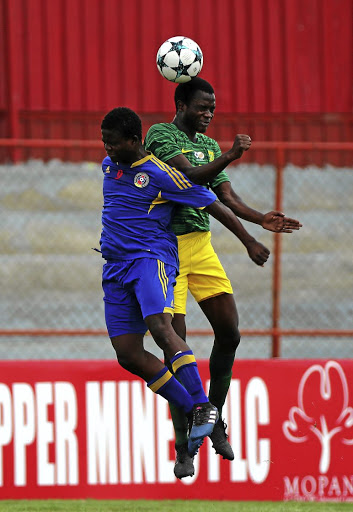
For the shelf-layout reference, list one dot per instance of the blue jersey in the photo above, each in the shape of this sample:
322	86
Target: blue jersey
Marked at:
138	207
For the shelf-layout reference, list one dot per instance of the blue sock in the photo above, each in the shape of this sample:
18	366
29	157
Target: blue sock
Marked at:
166	385
185	367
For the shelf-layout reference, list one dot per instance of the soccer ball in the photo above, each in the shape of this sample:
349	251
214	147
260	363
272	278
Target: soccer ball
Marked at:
179	59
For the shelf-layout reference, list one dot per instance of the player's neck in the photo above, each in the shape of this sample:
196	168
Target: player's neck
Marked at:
139	155
191	133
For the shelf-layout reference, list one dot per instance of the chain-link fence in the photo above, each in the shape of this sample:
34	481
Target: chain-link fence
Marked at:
50	275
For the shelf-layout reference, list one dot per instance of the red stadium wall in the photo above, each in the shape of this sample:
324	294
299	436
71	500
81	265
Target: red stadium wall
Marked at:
69	61
91	430
261	56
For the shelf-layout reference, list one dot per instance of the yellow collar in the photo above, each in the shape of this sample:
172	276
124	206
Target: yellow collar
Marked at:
142	161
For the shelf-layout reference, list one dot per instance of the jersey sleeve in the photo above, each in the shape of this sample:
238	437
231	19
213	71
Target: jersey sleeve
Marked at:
105	164
162	143
176	187
222	176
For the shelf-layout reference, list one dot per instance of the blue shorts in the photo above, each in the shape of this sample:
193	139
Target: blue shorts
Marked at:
134	290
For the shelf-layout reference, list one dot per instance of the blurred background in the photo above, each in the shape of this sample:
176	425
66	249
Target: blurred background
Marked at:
282	72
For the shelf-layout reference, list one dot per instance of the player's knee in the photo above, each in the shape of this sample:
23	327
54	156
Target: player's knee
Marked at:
124	362
233	340
167	340
228	340
128	363
125	358
159	327
179	325
167	362
237	339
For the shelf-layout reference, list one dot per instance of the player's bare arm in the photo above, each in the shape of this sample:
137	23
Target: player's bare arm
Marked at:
272	221
205	173
256	251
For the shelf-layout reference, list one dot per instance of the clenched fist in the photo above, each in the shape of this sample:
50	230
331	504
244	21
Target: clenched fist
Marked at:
258	252
241	143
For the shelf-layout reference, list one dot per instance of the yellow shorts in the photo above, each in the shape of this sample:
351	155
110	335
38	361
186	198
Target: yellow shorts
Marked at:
200	270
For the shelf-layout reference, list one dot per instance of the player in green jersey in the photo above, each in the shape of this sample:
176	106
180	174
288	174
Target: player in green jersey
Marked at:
184	145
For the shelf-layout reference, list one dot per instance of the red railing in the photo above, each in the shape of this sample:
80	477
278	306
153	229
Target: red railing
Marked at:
275	332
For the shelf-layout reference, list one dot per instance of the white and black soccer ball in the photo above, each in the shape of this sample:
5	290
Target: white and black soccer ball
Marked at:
179	59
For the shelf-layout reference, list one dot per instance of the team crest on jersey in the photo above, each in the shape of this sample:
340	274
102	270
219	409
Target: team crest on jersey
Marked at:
199	155
211	155
141	180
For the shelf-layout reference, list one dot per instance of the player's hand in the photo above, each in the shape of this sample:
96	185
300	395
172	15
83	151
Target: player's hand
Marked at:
279	223
258	252
241	143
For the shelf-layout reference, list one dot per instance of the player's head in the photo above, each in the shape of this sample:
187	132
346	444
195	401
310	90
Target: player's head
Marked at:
122	134
125	121
195	103
185	92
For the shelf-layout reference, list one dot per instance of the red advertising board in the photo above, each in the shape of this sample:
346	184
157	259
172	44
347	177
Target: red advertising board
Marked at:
88	429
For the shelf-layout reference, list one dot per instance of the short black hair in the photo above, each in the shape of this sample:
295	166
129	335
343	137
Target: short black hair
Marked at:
125	121
186	91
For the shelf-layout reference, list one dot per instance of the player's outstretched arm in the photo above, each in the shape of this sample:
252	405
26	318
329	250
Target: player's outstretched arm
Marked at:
272	221
256	251
205	173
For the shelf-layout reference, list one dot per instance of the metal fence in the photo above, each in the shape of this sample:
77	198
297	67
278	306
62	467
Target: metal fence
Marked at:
298	305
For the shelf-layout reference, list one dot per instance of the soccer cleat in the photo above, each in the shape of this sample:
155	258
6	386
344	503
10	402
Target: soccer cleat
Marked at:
184	464
220	441
204	418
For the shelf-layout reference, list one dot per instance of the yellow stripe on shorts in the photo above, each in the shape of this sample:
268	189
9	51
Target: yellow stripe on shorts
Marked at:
163	277
160	382
183	360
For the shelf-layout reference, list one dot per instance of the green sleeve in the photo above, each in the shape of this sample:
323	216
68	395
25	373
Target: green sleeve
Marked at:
162	143
222	176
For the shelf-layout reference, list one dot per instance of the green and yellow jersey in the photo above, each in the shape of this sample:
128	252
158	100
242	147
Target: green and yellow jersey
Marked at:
166	141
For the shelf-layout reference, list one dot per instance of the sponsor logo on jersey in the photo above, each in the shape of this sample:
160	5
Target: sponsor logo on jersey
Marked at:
141	180
199	155
186	150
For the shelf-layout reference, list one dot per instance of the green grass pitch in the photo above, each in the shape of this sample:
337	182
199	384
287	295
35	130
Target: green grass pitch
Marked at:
168	506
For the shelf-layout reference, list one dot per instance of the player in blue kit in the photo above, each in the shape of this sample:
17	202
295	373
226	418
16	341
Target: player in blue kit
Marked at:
141	256
141	253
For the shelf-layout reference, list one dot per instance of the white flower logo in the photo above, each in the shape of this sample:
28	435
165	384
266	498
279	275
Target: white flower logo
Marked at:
325	415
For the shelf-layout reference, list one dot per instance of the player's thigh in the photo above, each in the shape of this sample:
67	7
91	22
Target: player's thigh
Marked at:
128	346
179	325
221	312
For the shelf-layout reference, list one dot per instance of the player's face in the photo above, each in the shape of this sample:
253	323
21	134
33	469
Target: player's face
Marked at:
118	148
200	111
